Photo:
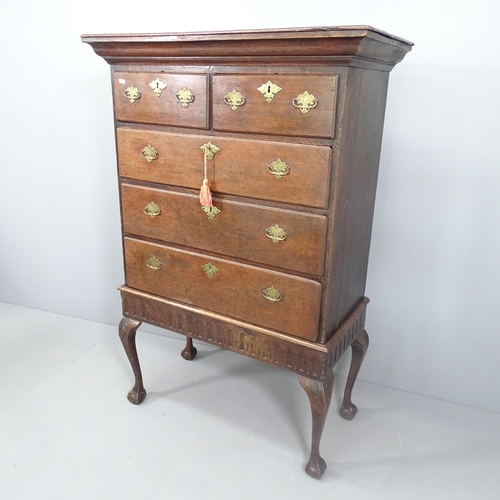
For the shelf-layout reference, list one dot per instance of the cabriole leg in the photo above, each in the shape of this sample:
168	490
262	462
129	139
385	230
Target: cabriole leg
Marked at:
359	346
320	395
189	352
127	330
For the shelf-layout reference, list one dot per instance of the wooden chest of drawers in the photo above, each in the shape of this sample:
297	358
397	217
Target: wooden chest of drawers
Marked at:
286	126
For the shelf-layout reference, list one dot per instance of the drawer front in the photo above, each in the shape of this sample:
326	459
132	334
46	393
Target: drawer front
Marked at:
233	289
280	238
290	173
160	98
305	105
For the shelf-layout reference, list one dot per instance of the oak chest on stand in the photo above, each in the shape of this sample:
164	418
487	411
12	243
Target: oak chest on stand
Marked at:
286	127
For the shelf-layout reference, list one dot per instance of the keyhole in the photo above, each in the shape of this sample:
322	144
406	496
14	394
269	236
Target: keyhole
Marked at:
269	89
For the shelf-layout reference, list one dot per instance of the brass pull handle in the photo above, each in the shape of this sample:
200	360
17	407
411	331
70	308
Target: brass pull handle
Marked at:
269	90
278	168
234	99
276	233
272	294
153	263
132	93
149	153
210	269
157	86
152	210
305	102
184	97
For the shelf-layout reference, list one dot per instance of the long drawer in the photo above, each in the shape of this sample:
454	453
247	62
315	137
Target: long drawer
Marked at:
267	298
290	173
281	238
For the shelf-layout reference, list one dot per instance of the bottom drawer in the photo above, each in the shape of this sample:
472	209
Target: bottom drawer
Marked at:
285	303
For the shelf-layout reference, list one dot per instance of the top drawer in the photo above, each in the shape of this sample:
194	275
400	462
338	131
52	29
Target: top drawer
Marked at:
297	105
161	98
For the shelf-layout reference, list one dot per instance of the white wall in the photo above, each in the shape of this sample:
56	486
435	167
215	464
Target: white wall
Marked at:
434	262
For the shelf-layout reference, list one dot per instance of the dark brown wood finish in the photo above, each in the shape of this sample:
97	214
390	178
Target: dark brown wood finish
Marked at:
165	109
235	289
324	202
359	347
239	230
240	167
278	116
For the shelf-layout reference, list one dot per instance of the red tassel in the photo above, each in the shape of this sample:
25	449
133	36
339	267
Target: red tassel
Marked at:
205	196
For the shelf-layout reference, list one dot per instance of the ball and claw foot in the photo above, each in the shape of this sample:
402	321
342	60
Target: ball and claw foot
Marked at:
316	468
189	352
136	395
348	412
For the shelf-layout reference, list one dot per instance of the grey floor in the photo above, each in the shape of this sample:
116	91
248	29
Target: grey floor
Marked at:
221	427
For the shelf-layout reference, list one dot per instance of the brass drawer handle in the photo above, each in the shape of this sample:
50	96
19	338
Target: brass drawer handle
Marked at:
153	263
276	233
278	168
149	153
132	93
210	269
269	90
157	86
234	99
305	102
184	97
272	294
152	209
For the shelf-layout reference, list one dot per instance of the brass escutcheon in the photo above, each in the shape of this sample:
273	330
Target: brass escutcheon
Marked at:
210	212
153	263
305	102
184	97
272	294
157	86
149	153
132	93
152	210
209	149
234	99
269	90
210	269
276	233
278	168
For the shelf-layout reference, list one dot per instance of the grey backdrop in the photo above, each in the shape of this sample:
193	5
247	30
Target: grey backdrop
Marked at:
434	268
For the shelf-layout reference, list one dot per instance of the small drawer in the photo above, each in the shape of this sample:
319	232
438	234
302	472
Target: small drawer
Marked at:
304	105
281	238
277	171
161	98
270	299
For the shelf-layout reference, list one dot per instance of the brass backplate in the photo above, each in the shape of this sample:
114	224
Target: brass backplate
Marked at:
157	86
278	168
153	263
305	102
272	294
184	97
209	149
276	233
132	93
211	212
152	210
269	90
210	269
234	99
149	153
